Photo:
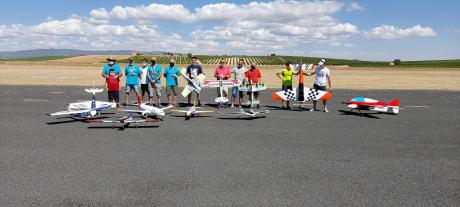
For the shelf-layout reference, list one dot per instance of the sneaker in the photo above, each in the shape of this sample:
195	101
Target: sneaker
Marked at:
240	106
325	110
232	106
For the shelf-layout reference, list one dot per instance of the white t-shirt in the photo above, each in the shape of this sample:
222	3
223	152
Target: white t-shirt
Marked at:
239	73
321	76
144	75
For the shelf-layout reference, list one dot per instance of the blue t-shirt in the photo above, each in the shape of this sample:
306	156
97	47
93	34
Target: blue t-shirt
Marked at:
115	66
154	72
132	75
170	80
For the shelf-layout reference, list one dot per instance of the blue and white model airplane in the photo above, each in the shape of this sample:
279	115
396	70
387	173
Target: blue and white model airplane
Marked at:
86	109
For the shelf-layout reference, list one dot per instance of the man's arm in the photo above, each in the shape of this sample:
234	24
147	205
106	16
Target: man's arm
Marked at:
279	75
329	82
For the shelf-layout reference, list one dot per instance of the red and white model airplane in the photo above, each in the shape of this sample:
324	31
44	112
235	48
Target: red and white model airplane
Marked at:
361	103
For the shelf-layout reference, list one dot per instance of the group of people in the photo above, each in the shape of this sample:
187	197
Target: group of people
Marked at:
146	80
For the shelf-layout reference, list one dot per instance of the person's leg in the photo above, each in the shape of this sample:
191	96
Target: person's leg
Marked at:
325	106
128	90
158	90
256	97
116	97
189	99
168	93
241	96
198	100
175	90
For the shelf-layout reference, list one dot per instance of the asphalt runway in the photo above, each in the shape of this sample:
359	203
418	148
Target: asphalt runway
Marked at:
289	158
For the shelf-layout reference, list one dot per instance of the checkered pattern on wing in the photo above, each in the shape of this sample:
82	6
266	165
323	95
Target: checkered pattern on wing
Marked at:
289	94
312	94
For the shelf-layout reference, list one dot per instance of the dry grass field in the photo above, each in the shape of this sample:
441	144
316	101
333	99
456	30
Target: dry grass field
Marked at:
85	70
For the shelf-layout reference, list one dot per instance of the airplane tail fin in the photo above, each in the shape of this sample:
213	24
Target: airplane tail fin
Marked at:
394	102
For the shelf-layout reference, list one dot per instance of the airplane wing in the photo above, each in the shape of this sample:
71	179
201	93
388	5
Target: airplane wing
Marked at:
311	94
62	113
168	107
186	91
102	121
141	121
179	111
286	95
133	111
199	112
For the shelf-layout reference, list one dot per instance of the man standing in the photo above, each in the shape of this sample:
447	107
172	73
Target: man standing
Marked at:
254	76
193	71
222	72
111	63
286	77
154	76
239	73
170	73
323	76
133	73
145	81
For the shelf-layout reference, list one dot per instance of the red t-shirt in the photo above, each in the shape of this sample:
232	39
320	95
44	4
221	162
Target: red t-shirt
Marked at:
113	83
253	75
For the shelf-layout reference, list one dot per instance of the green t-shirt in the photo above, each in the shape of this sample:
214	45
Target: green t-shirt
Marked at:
287	77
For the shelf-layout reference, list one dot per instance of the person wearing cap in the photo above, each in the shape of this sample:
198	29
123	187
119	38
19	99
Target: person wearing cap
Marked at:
286	77
193	70
145	81
170	73
323	77
133	73
222	72
111	64
154	76
254	76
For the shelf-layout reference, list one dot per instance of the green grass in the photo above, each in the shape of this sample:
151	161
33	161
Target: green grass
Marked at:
44	58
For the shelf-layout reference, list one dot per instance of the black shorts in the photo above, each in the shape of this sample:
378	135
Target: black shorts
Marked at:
145	89
256	93
321	88
113	96
284	88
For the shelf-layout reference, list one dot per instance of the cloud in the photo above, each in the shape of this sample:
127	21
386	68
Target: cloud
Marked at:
393	32
172	12
354	7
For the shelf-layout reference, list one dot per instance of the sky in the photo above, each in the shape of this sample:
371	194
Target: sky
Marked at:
352	29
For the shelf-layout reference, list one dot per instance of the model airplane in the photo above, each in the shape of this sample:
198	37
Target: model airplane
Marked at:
191	112
220	84
192	84
81	109
146	110
309	94
126	121
361	103
248	113
251	88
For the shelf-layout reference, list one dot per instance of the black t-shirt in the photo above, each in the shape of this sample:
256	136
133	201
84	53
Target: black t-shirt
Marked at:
194	68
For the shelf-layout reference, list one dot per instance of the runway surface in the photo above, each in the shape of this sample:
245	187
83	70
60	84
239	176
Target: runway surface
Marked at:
289	158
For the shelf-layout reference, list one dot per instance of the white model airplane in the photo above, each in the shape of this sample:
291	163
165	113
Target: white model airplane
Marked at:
126	121
251	88
220	84
248	113
82	109
192	84
146	110
191	112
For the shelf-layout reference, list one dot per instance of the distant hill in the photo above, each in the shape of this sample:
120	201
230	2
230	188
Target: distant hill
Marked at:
63	52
